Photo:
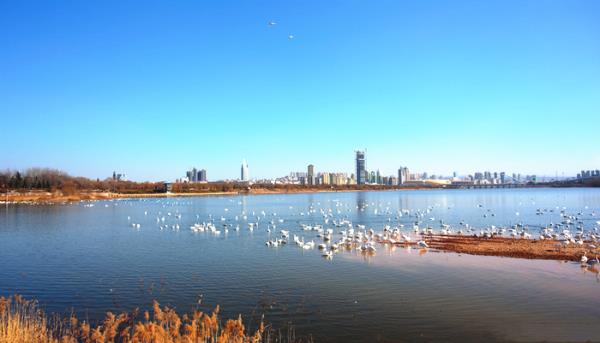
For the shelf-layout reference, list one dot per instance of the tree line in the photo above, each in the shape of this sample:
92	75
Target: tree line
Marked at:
53	180
46	179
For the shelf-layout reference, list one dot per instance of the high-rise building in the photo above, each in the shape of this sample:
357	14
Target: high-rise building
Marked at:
244	171
194	175
378	179
311	175
338	178
202	175
402	175
361	168
372	177
502	177
325	179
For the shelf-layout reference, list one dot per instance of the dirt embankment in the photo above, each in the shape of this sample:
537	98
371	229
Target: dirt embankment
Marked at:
53	197
40	197
513	247
43	197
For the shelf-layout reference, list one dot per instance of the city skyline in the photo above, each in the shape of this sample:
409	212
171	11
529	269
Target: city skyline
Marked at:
401	173
363	175
461	86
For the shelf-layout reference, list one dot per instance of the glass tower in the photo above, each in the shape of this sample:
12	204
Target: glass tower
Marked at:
361	168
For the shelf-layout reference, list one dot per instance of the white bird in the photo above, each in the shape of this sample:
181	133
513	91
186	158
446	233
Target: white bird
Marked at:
584	259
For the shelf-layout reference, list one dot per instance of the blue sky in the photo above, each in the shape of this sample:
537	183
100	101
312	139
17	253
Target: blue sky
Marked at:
153	88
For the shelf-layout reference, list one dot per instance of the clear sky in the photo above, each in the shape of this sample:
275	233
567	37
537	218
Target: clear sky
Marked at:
153	88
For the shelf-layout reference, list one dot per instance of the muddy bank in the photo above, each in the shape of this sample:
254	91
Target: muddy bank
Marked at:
37	197
512	247
43	197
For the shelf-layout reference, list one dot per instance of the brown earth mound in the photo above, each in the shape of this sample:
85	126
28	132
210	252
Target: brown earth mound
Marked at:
512	247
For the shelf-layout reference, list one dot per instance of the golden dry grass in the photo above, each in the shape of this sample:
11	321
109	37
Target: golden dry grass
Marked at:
21	321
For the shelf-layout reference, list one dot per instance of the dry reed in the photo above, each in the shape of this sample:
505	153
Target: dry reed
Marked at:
22	321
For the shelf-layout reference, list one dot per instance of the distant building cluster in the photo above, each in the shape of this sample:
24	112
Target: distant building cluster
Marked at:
312	179
119	176
363	176
489	178
195	175
588	174
494	178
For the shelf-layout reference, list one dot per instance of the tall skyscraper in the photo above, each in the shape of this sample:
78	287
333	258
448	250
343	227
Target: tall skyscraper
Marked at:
402	175
311	175
244	173
361	168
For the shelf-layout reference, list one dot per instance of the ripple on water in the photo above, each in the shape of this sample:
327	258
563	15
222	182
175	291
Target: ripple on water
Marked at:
91	259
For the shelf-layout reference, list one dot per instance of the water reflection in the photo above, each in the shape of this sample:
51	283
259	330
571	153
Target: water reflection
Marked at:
91	259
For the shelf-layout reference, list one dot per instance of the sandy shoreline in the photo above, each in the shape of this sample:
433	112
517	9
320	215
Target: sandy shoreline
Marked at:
36	197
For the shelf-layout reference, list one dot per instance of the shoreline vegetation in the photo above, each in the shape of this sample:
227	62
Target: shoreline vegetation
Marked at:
47	186
22	321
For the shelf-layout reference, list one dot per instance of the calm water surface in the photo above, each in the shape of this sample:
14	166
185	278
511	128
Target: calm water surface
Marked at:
91	259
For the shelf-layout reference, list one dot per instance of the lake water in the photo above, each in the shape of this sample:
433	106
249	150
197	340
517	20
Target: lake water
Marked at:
92	260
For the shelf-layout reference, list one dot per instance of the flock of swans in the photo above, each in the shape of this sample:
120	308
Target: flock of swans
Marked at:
335	226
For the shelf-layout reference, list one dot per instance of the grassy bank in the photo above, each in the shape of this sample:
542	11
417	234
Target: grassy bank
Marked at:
22	321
